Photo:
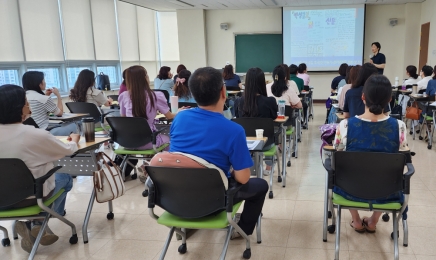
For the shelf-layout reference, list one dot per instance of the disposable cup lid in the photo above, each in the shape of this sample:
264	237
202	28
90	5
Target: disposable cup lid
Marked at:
87	119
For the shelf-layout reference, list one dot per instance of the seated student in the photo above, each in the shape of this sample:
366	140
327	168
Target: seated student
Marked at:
181	88
84	90
290	83
353	104
164	80
293	70
342	72
41	104
371	131
413	77
351	77
123	84
426	73
302	73
430	92
230	78
280	88
38	149
219	141
179	68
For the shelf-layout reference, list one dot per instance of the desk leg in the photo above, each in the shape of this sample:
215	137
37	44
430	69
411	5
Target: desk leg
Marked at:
283	154
260	160
87	216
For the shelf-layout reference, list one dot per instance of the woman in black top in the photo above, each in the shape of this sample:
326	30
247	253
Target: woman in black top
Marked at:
254	102
342	72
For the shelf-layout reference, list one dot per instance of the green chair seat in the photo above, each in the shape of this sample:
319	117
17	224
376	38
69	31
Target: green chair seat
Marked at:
290	131
427	118
209	222
122	150
270	152
29	211
106	127
339	200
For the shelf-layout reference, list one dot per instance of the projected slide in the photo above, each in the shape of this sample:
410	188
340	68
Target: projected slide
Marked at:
323	38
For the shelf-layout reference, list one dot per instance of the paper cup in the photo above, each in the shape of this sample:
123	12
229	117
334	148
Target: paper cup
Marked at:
259	133
174	100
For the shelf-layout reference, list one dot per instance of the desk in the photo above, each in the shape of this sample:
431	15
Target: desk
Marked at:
335	106
258	155
304	93
69	117
340	116
405	91
84	163
233	92
282	121
260	146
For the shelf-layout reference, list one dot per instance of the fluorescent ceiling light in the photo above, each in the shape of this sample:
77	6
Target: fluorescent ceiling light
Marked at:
181	3
269	2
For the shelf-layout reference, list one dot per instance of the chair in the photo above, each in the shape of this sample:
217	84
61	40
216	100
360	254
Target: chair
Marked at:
92	110
380	178
428	121
250	124
16	184
167	95
233	88
199	200
114	97
30	121
133	133
290	135
187	104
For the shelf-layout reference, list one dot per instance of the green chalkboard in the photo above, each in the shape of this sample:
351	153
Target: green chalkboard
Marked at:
258	50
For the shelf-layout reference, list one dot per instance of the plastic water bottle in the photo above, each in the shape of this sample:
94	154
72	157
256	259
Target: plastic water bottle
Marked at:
281	109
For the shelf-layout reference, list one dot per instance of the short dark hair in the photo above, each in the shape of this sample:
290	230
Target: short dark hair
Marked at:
366	71
12	101
427	70
205	85
180	68
163	72
377	44
31	81
302	67
378	93
412	71
343	69
293	69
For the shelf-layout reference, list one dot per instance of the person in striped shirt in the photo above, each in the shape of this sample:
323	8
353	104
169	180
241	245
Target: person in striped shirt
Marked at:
41	104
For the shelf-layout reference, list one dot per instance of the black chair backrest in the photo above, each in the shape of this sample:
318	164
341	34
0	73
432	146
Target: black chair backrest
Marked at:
250	124
16	182
306	88
233	88
130	132
114	97
85	108
369	175
188	192
30	121
187	104
167	95
289	111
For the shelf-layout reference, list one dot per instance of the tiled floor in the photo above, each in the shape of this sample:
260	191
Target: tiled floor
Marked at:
291	226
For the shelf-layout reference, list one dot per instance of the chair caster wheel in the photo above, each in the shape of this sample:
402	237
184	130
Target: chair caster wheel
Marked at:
134	176
293	154
247	254
145	193
392	234
385	217
411	132
329	214
429	147
279	179
259	242
74	239
299	140
324	240
110	216
271	195
65	213
6	242
331	229
182	249
421	138
15	238
289	164
405	245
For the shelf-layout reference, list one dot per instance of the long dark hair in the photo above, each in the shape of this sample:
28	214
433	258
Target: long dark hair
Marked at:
366	71
228	72
163	72
412	71
181	89
32	80
343	69
85	80
254	84
12	101
140	92
280	81
353	74
347	75
378	92
124	77
180	68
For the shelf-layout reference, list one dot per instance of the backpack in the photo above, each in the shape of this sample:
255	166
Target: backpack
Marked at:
103	82
184	160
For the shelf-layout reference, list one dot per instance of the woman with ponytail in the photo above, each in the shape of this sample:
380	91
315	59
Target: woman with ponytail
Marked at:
412	74
283	89
372	131
181	88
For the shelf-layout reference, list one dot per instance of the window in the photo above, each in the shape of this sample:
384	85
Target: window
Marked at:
73	73
51	76
111	71
9	77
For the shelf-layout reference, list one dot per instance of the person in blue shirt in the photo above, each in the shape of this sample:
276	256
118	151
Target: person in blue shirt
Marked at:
164	80
206	133
378	59
181	88
430	92
230	78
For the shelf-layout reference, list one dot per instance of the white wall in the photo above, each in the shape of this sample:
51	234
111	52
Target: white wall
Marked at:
11	48
428	9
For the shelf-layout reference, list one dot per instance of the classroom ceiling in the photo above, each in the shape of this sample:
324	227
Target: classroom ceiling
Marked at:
171	5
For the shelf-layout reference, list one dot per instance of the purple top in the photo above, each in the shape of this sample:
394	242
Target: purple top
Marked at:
160	104
122	89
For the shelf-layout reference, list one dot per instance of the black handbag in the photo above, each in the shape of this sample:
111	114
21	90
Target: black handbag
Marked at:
103	82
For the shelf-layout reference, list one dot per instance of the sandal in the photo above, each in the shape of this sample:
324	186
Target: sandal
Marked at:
365	224
358	230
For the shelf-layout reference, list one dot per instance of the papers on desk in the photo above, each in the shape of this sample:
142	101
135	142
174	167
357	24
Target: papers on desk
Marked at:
251	144
433	104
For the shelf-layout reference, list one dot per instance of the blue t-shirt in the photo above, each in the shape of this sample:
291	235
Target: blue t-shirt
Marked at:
431	88
211	136
379	58
233	82
353	102
336	81
164	84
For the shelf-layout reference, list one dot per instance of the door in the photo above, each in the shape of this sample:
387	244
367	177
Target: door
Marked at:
423	49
